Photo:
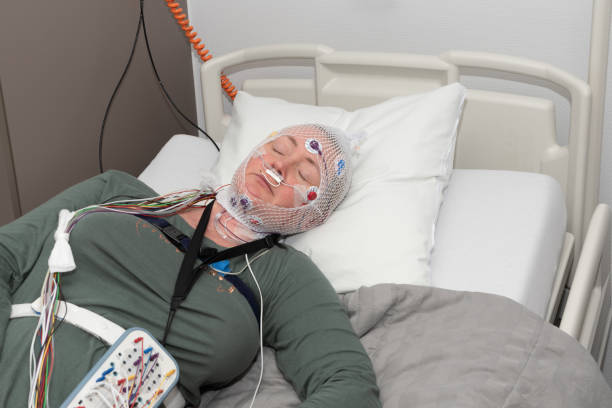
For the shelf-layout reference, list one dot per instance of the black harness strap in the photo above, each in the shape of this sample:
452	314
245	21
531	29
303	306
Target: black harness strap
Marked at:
188	275
181	241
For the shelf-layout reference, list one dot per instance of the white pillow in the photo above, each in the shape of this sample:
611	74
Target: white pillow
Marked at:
181	164
383	232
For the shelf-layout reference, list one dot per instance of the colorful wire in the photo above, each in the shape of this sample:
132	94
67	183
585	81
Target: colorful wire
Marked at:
41	368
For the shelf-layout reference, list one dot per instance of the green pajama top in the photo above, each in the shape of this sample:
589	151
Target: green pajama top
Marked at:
126	271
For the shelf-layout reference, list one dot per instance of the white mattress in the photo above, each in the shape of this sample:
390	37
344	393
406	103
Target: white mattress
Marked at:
500	232
497	232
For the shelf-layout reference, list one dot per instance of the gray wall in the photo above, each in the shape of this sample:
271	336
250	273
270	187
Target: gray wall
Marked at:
59	64
10	208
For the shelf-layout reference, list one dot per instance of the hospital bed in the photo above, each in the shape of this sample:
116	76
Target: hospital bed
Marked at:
543	245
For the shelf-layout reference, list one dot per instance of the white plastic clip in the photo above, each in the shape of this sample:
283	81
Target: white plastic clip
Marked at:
277	177
61	259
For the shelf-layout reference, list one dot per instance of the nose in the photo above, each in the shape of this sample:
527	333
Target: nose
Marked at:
283	165
273	171
280	165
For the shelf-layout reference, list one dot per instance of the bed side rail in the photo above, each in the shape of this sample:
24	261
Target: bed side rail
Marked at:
566	260
585	301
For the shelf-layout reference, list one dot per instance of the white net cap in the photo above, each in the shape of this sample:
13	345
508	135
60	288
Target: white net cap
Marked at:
309	162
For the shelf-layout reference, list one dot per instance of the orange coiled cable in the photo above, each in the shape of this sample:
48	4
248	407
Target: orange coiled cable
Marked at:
204	54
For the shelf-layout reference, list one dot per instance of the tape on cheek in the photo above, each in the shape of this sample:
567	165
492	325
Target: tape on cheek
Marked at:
299	194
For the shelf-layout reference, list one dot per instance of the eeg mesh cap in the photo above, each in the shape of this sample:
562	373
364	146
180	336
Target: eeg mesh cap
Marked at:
330	149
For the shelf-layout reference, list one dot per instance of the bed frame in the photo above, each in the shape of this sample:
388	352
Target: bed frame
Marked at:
580	302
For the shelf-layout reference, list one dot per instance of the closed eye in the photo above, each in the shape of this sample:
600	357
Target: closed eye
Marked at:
308	175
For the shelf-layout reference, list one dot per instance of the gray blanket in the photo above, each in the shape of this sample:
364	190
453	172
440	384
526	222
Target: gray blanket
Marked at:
439	348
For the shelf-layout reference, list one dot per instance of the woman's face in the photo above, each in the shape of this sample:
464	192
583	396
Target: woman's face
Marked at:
288	157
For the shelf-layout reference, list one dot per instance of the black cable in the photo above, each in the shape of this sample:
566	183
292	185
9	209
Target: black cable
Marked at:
144	30
100	138
141	21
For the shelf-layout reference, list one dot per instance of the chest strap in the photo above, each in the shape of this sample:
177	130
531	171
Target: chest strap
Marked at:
92	323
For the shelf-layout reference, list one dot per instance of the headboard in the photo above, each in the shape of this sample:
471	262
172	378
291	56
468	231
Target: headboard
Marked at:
498	130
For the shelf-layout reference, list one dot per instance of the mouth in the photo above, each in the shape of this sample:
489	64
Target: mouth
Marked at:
262	180
259	179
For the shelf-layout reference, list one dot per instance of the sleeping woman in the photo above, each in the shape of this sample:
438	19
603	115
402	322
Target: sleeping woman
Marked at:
126	271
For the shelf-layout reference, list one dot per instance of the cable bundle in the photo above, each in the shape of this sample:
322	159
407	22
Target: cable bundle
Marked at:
40	372
161	206
41	367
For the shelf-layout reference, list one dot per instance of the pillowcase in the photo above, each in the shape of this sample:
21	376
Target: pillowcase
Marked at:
383	231
181	164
